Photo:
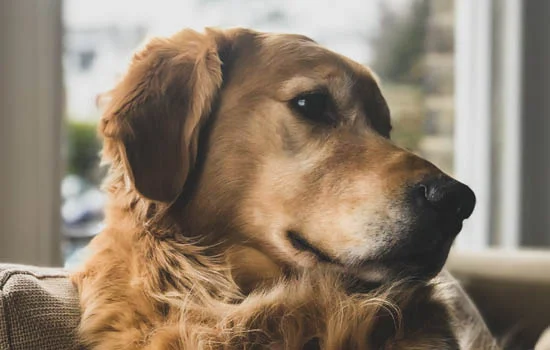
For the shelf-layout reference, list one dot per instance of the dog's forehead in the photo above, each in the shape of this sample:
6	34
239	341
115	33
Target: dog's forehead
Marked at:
301	63
300	50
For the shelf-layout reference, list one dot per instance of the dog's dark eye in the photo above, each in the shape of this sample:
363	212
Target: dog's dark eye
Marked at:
313	106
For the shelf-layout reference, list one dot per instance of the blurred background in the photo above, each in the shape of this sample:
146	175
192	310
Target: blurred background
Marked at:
467	82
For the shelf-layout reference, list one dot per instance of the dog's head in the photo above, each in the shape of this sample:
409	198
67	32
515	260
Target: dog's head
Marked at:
274	143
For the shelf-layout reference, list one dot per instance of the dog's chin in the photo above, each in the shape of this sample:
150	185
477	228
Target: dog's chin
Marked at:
403	266
385	271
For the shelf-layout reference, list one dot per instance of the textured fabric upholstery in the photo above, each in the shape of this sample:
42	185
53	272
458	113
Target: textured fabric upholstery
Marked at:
38	309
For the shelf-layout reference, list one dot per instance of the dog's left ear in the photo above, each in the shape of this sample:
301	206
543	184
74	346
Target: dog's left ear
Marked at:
155	113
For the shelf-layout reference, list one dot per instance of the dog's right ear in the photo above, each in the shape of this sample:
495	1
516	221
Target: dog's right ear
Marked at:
152	121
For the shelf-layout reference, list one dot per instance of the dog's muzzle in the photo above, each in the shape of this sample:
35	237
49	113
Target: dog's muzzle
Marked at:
437	208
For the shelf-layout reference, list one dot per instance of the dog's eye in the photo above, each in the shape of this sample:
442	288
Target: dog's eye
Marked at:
313	106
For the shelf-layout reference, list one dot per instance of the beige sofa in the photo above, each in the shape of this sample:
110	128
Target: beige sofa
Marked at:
38	309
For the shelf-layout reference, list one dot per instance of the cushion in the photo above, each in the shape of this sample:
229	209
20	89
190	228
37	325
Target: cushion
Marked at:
39	308
544	341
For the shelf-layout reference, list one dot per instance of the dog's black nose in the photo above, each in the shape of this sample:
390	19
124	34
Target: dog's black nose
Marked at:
438	206
447	197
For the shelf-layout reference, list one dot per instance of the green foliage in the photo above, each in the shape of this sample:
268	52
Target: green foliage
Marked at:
399	47
408	131
83	149
407	108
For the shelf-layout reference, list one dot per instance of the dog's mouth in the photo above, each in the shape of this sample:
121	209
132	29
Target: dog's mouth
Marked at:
301	244
421	264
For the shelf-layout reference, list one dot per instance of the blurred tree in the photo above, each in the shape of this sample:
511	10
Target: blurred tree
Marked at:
83	150
399	49
399	46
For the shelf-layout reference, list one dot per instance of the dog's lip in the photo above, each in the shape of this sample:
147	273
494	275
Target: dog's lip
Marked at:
301	244
426	263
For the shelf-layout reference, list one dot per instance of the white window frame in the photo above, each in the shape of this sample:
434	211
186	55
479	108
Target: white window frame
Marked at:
473	156
510	170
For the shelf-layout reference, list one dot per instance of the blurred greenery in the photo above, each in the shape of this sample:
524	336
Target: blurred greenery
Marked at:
399	50
83	149
407	107
400	45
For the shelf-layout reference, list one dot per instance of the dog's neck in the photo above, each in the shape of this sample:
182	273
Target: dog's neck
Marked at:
252	269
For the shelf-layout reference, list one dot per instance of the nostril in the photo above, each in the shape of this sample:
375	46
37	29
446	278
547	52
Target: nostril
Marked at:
421	194
447	196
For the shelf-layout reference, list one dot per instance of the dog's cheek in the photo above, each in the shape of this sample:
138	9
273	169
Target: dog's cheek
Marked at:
350	214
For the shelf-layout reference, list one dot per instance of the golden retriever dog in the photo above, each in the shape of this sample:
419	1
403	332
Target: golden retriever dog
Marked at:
257	201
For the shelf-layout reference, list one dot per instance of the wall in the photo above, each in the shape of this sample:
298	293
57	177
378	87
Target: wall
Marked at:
30	117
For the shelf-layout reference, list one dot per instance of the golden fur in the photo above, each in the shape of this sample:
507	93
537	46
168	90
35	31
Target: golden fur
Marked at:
209	169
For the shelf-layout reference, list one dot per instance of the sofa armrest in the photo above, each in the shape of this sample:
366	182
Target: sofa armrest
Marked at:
39	308
510	288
